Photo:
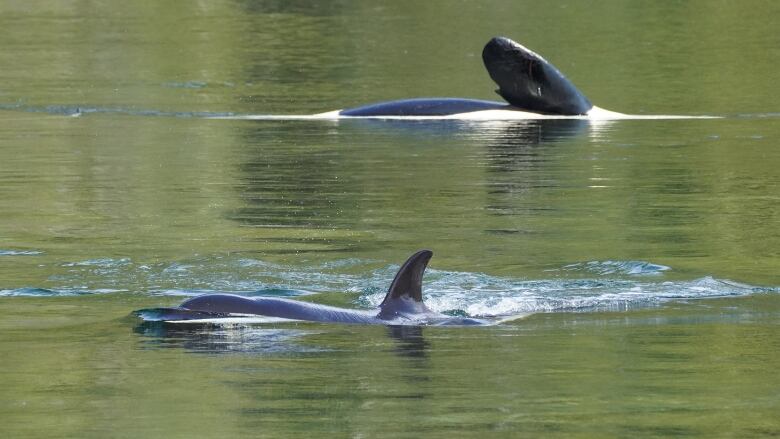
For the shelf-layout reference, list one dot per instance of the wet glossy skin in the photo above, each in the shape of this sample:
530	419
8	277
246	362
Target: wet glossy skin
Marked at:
526	80
425	107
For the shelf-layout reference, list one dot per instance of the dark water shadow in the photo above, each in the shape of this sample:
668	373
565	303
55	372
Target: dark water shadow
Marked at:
410	342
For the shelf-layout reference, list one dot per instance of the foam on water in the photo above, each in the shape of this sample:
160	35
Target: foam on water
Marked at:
481	295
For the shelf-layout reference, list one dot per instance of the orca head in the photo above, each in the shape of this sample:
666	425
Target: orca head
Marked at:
405	294
529	82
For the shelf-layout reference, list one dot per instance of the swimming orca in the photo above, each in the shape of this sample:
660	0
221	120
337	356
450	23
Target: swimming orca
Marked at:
403	305
528	83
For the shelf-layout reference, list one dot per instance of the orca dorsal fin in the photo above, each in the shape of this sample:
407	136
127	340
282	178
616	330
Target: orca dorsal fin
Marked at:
529	82
405	293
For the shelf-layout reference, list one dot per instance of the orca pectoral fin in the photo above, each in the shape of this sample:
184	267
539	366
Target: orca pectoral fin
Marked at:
529	82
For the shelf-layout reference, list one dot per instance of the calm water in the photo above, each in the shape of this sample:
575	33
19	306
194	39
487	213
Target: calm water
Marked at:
648	251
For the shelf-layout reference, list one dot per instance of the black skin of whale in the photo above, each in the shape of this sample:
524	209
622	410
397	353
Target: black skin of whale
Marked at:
525	80
403	304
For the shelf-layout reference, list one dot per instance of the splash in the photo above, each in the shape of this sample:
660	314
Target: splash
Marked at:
584	295
481	295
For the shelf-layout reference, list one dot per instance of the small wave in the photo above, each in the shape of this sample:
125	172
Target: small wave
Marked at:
196	85
618	267
759	115
276	292
57	292
220	273
79	110
186	84
20	252
349	262
101	263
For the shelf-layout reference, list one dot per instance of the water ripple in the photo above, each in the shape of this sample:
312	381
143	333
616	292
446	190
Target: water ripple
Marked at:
20	252
82	110
54	292
276	292
608	285
101	263
618	267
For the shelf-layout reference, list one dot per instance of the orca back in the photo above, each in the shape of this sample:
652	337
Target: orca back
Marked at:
425	107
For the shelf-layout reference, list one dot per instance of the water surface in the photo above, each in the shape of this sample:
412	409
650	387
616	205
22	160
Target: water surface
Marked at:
646	250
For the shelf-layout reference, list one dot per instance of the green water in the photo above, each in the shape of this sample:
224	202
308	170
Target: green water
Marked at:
647	250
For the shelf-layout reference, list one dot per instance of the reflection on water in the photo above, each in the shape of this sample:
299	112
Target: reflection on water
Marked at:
218	339
409	341
306	191
510	139
517	156
279	340
316	186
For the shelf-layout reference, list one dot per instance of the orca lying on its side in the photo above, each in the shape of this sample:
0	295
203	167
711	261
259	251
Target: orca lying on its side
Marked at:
403	305
525	80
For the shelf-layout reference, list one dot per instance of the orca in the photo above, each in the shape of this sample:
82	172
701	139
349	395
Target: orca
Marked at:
528	83
403	305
